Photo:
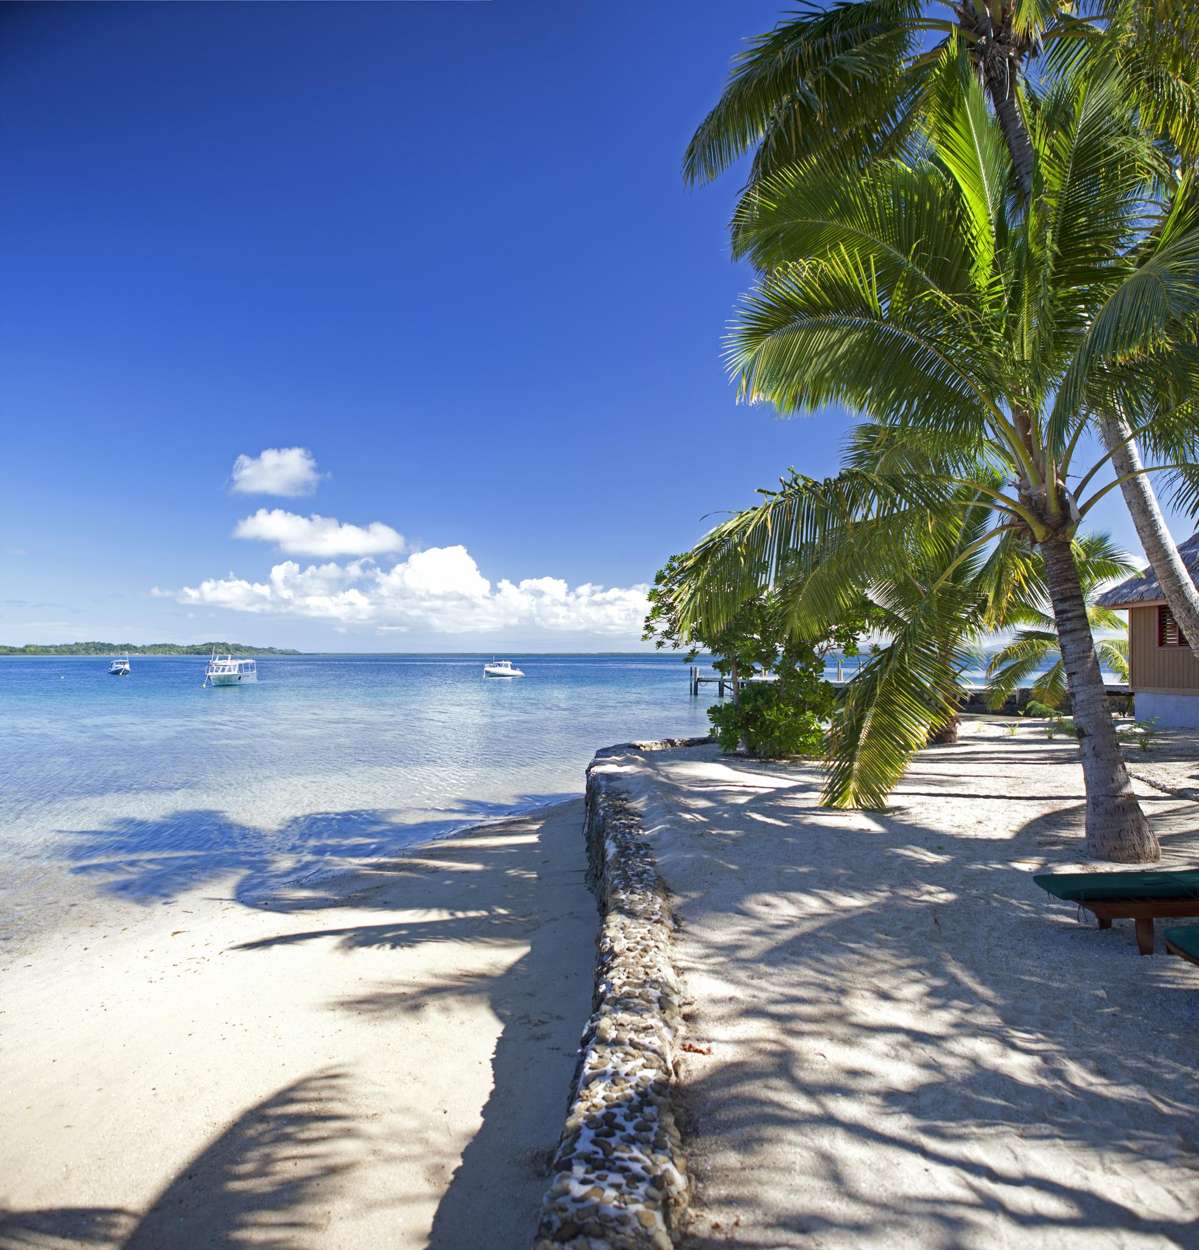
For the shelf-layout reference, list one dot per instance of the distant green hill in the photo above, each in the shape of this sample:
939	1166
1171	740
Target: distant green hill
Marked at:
149	648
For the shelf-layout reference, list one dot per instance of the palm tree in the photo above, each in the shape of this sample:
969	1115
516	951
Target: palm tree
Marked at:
1181	594
924	574
859	77
978	336
934	586
856	76
1035	639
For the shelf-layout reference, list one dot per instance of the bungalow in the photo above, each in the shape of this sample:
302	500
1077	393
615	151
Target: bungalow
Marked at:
1163	670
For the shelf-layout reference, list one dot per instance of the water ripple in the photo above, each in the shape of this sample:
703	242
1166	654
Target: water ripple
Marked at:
132	791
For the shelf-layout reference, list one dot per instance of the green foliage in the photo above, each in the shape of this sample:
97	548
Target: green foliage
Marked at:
977	331
784	716
978	264
1060	725
1034	708
1113	655
858	79
780	704
1142	733
1035	639
932	591
145	648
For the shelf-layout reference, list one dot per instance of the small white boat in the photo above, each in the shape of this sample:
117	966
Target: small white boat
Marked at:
501	668
225	670
119	667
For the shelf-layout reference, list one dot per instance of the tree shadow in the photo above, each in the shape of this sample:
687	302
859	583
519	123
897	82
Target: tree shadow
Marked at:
258	1183
59	1228
154	861
909	1043
506	896
512	893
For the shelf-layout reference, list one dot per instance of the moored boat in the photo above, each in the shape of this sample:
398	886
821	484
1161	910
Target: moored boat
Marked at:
119	667
226	670
501	668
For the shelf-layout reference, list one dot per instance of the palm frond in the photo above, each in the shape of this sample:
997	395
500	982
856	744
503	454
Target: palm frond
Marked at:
908	688
968	141
1113	655
1050	686
797	529
826	332
1146	308
826	78
1003	680
904	217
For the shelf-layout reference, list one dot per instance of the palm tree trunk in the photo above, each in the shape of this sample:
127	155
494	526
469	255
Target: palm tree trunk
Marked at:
1116	827
946	734
1000	75
1181	594
735	676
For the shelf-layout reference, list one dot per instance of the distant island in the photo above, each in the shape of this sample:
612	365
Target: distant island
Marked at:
149	648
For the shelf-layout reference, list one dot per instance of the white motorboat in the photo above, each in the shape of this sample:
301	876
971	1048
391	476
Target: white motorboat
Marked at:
501	668
119	667
225	670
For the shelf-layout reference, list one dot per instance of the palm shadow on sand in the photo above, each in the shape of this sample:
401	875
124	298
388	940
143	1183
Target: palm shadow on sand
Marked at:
1015	1045
252	1184
272	1176
155	861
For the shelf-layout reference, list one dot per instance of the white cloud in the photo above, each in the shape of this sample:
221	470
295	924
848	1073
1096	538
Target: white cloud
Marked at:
318	535
440	590
277	471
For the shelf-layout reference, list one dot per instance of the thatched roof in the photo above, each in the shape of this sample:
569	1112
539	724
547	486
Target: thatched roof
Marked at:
1144	587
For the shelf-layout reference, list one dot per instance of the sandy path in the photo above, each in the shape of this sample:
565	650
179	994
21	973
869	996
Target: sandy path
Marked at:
911	1045
378	1060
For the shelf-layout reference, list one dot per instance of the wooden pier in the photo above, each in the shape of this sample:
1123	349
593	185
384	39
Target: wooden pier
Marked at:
698	679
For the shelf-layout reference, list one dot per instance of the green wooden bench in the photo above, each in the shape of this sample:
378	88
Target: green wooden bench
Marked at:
1138	896
1183	942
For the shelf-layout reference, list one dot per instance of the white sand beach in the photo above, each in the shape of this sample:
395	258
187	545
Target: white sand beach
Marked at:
894	1037
378	1059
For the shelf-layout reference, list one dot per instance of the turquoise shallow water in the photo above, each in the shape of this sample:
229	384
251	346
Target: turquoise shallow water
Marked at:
128	792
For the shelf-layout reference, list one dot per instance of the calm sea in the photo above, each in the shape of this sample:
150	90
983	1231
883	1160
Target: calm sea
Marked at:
126	792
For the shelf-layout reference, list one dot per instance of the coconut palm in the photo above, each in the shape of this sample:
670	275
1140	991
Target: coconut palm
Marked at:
979	337
859	76
1180	592
926	575
933	590
855	76
1034	643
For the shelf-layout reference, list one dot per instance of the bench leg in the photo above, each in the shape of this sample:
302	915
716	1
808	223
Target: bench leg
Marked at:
1145	936
1105	922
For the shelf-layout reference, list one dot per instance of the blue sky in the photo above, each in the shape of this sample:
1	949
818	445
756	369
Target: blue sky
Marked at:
444	248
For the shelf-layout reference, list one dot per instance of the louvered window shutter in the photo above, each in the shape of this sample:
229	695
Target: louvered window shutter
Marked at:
1168	633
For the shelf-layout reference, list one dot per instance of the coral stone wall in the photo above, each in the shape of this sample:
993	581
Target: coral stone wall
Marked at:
620	1182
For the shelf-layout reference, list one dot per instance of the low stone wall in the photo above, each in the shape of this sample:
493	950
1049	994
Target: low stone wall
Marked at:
620	1182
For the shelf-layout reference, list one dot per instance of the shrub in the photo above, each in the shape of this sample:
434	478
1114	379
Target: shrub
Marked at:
1033	708
787	716
781	704
1142	733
